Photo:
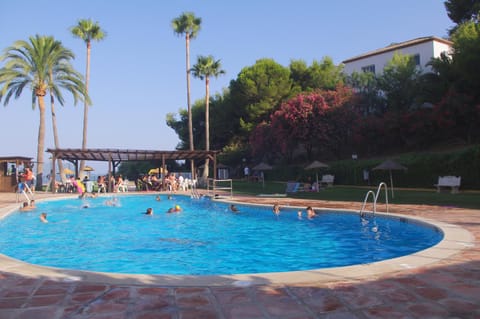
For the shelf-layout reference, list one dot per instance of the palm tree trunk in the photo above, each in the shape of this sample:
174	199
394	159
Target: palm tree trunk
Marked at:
41	142
207	126
55	140
85	105
189	106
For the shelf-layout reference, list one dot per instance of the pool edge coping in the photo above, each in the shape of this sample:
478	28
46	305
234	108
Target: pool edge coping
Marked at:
455	240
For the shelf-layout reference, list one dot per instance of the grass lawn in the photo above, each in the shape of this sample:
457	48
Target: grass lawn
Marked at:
464	199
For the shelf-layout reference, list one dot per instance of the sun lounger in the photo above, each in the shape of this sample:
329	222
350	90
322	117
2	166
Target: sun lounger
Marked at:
292	187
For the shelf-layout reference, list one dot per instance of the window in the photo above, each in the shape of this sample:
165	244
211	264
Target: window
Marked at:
369	68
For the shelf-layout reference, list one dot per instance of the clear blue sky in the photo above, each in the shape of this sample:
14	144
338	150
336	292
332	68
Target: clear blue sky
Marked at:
138	71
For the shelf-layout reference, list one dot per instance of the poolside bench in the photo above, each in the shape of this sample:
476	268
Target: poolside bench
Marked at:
452	182
327	180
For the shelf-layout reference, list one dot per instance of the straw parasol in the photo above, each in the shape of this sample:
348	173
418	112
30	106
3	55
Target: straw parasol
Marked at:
262	167
67	171
316	165
88	169
156	171
390	165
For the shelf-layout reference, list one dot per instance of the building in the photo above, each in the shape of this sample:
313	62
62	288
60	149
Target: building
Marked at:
421	49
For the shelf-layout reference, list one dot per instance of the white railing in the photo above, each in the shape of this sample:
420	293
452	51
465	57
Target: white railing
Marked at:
214	185
375	198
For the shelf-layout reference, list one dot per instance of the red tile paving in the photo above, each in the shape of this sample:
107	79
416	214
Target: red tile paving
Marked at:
449	288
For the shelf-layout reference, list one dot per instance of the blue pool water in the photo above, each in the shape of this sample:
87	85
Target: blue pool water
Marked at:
205	238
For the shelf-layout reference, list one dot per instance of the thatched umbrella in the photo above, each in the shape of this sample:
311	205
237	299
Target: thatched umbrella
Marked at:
316	165
390	165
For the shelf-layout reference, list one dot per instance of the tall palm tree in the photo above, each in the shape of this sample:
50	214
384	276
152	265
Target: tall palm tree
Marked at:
62	75
32	64
87	30
205	68
189	25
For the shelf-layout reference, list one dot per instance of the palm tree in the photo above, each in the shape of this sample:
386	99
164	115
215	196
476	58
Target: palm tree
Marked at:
205	68
33	64
87	30
189	25
62	75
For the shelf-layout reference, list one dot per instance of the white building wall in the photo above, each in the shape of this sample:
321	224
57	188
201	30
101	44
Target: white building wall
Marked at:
426	51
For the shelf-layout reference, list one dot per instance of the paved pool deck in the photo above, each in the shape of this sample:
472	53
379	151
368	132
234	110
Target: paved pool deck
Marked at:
442	282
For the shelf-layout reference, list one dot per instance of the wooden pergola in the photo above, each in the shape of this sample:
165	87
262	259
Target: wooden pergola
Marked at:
116	156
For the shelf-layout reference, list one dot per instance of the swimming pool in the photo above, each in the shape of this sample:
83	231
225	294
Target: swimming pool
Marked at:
205	238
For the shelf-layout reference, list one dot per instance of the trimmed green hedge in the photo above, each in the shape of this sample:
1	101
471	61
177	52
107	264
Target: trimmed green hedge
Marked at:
423	171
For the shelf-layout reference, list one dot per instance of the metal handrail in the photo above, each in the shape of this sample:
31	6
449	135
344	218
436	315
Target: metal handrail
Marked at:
375	198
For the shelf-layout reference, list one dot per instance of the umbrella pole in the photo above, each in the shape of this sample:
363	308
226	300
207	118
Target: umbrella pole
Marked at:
391	182
318	186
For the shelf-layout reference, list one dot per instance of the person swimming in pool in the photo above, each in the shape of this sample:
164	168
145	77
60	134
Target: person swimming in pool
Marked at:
149	211
311	213
43	217
26	206
276	209
234	208
175	209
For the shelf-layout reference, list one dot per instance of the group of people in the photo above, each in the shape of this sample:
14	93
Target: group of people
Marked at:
310	212
170	183
26	180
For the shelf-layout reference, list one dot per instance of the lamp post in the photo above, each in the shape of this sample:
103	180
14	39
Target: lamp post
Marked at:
354	158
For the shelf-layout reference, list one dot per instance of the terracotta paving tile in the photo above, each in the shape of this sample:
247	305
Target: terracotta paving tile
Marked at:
193	301
90	288
243	311
154	304
431	293
16	291
236	296
104	307
39	313
342	315
428	310
324	304
12	303
153	315
468	291
198	314
460	307
157	291
50	289
398	295
312	292
383	312
284	308
39	301
118	295
9	313
83	297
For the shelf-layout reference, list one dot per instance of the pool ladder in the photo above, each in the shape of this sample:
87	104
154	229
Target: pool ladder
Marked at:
375	198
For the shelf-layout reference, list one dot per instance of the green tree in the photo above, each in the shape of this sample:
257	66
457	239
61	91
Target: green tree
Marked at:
461	11
399	82
367	88
204	69
258	90
466	45
323	75
88	31
41	64
189	25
